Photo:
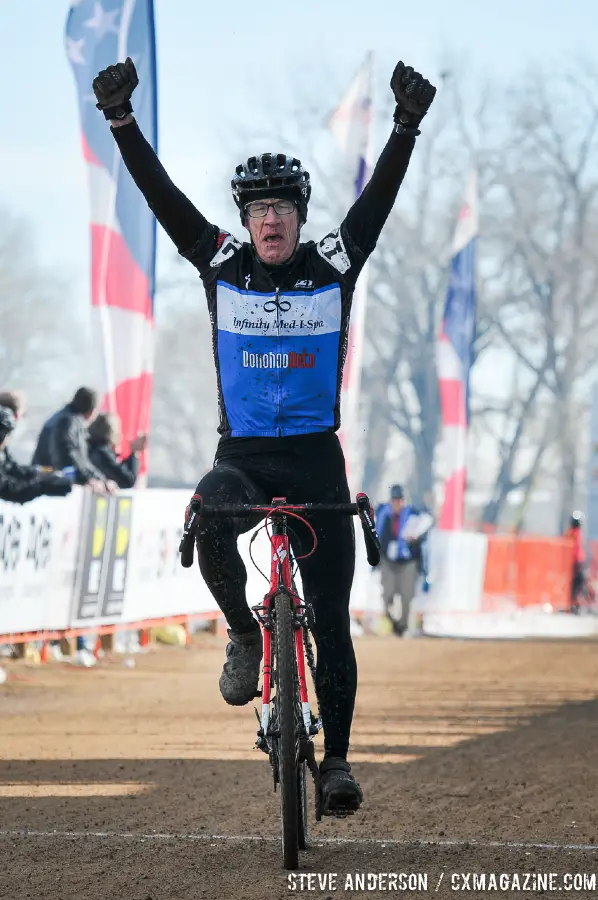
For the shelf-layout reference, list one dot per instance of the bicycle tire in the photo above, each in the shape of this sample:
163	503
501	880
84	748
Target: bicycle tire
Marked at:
288	741
302	804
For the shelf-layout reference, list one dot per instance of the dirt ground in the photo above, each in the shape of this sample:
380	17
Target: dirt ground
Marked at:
139	783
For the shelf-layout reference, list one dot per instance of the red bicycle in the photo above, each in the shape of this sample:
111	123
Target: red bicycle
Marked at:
287	724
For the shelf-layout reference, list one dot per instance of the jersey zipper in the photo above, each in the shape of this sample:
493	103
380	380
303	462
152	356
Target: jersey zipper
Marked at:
277	299
279	429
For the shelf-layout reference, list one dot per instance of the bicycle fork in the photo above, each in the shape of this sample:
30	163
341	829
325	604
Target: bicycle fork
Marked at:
263	613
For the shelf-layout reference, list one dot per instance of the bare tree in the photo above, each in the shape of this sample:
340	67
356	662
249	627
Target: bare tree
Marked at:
42	339
532	148
406	289
537	282
546	222
184	406
407	293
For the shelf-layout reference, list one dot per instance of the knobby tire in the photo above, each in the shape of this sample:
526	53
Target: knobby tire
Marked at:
302	803
288	740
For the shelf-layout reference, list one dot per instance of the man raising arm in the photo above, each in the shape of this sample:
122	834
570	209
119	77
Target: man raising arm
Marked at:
272	301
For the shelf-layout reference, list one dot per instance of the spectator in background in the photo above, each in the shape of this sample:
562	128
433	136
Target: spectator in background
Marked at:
578	575
20	484
103	437
401	528
62	443
15	402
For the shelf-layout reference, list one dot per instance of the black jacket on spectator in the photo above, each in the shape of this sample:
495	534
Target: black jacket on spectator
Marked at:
11	467
103	457
63	442
20	484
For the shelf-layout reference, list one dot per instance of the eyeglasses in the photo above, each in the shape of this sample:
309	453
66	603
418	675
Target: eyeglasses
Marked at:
258	210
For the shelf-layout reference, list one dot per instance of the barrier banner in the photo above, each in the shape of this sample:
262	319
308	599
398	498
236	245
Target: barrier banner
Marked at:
94	559
156	584
38	561
118	554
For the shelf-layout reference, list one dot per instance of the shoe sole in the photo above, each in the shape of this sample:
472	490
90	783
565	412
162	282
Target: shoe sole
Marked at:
236	702
341	803
238	699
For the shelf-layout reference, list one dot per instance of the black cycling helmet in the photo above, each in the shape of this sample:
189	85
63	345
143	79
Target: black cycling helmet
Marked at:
271	175
7	422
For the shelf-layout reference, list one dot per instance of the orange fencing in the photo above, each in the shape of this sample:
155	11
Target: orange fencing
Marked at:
593	560
528	571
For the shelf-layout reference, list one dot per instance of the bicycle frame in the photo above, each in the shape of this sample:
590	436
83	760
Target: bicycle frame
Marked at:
281	578
287	724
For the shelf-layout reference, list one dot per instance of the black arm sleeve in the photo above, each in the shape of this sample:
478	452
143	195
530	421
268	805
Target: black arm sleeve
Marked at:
367	216
13	492
22	490
129	470
124	473
72	452
179	218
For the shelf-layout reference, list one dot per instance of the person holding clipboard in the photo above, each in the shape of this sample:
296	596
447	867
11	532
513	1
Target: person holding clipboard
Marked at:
402	529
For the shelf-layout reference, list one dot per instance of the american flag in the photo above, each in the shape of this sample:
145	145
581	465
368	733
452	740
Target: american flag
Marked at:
123	230
454	357
351	125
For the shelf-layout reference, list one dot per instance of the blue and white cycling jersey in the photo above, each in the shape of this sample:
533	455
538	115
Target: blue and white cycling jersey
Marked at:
279	348
278	358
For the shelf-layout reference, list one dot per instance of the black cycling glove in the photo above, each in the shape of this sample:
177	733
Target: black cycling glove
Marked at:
414	96
113	88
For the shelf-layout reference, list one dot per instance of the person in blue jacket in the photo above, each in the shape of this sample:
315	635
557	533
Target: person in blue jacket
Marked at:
402	529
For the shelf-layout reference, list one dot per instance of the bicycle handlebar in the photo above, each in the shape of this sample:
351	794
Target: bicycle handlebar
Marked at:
245	510
361	508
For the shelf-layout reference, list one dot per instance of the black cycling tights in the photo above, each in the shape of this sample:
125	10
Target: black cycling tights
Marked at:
305	469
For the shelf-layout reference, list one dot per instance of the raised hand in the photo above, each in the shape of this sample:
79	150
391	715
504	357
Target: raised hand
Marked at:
113	88
414	95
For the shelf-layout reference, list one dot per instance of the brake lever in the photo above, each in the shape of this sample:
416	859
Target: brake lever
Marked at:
187	545
368	524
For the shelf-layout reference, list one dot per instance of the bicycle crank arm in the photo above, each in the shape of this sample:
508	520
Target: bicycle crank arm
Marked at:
307	753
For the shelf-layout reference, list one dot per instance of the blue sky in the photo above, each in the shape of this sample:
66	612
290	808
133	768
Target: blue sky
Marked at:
230	73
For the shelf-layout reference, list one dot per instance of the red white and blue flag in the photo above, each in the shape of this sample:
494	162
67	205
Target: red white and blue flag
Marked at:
123	229
454	357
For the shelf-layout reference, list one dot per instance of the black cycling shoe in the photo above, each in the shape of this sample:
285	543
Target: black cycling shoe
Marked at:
241	671
340	794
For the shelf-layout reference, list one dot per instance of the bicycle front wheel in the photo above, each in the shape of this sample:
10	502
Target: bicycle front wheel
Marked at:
302	803
288	743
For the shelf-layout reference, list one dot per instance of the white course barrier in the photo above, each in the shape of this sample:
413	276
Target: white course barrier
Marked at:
89	561
39	544
457	567
157	586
